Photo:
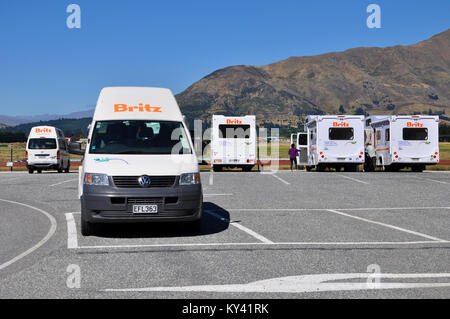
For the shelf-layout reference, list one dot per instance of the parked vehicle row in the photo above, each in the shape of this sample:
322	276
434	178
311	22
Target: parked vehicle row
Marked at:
341	141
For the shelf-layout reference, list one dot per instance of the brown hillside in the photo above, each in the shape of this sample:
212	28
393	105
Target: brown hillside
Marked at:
399	79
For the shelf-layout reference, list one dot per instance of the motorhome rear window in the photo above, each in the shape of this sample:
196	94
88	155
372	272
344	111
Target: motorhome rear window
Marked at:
415	134
303	139
234	131
340	133
42	144
139	137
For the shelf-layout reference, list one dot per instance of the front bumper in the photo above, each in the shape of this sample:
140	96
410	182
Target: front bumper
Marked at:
108	204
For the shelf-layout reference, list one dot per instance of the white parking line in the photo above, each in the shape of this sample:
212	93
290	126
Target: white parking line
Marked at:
324	209
279	178
433	180
308	283
353	179
243	228
72	239
49	234
271	245
217	194
70	180
387	225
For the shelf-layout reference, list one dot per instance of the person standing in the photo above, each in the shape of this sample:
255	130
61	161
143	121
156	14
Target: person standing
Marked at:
370	151
293	153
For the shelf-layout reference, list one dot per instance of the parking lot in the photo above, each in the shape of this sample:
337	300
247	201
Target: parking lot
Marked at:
265	235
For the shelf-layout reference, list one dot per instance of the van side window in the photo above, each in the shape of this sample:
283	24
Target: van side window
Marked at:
378	135
388	135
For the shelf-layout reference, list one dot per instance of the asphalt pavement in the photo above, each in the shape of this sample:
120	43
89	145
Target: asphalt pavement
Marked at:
265	235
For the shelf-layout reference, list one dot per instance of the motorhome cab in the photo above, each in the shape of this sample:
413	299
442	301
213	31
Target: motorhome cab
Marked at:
300	140
139	164
335	141
47	149
405	141
233	142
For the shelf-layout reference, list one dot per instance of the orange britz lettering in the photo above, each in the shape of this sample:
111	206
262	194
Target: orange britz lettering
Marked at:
235	121
340	124
136	108
416	124
43	130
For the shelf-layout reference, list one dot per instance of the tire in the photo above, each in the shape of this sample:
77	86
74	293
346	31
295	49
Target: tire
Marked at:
194	226
39	171
30	171
308	168
217	168
87	228
418	168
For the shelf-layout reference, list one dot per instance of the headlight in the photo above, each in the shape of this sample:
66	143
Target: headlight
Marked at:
189	179
96	179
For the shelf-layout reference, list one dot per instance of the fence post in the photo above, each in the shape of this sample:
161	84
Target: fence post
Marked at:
12	163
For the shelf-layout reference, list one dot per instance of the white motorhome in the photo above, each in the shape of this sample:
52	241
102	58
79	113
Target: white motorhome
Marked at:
405	141
139	164
300	140
47	149
335	141
233	142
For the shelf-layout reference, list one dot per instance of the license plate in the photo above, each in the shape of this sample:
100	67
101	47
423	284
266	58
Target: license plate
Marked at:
145	209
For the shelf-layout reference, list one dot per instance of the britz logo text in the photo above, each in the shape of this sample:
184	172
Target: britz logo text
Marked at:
138	108
340	124
416	124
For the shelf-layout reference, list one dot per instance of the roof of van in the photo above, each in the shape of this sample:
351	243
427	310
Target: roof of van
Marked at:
311	118
382	118
44	131
137	103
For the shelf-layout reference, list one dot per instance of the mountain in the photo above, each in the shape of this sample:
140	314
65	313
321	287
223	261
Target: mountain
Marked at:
70	127
391	80
44	117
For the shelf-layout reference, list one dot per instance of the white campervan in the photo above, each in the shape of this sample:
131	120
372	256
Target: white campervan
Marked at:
405	141
139	164
233	142
335	141
47	149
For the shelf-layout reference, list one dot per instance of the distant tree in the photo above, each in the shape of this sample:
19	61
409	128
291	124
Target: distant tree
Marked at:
341	109
360	111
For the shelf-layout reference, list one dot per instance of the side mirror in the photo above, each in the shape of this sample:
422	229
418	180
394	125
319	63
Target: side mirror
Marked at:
75	148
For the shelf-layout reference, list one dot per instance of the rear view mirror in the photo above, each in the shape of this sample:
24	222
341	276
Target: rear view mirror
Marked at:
75	148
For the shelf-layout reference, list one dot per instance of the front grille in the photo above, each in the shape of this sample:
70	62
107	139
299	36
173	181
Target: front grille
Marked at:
145	200
132	181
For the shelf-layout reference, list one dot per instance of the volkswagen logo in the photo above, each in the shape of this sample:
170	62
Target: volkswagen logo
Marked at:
144	181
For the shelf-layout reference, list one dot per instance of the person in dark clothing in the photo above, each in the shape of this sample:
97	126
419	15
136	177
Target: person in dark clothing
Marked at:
293	153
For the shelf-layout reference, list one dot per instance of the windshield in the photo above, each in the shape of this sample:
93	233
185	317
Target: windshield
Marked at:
139	137
42	144
415	134
234	131
341	133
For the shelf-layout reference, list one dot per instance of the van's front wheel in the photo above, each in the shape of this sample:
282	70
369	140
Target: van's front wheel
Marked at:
30	170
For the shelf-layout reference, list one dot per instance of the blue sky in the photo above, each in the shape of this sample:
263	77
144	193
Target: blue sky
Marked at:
46	67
